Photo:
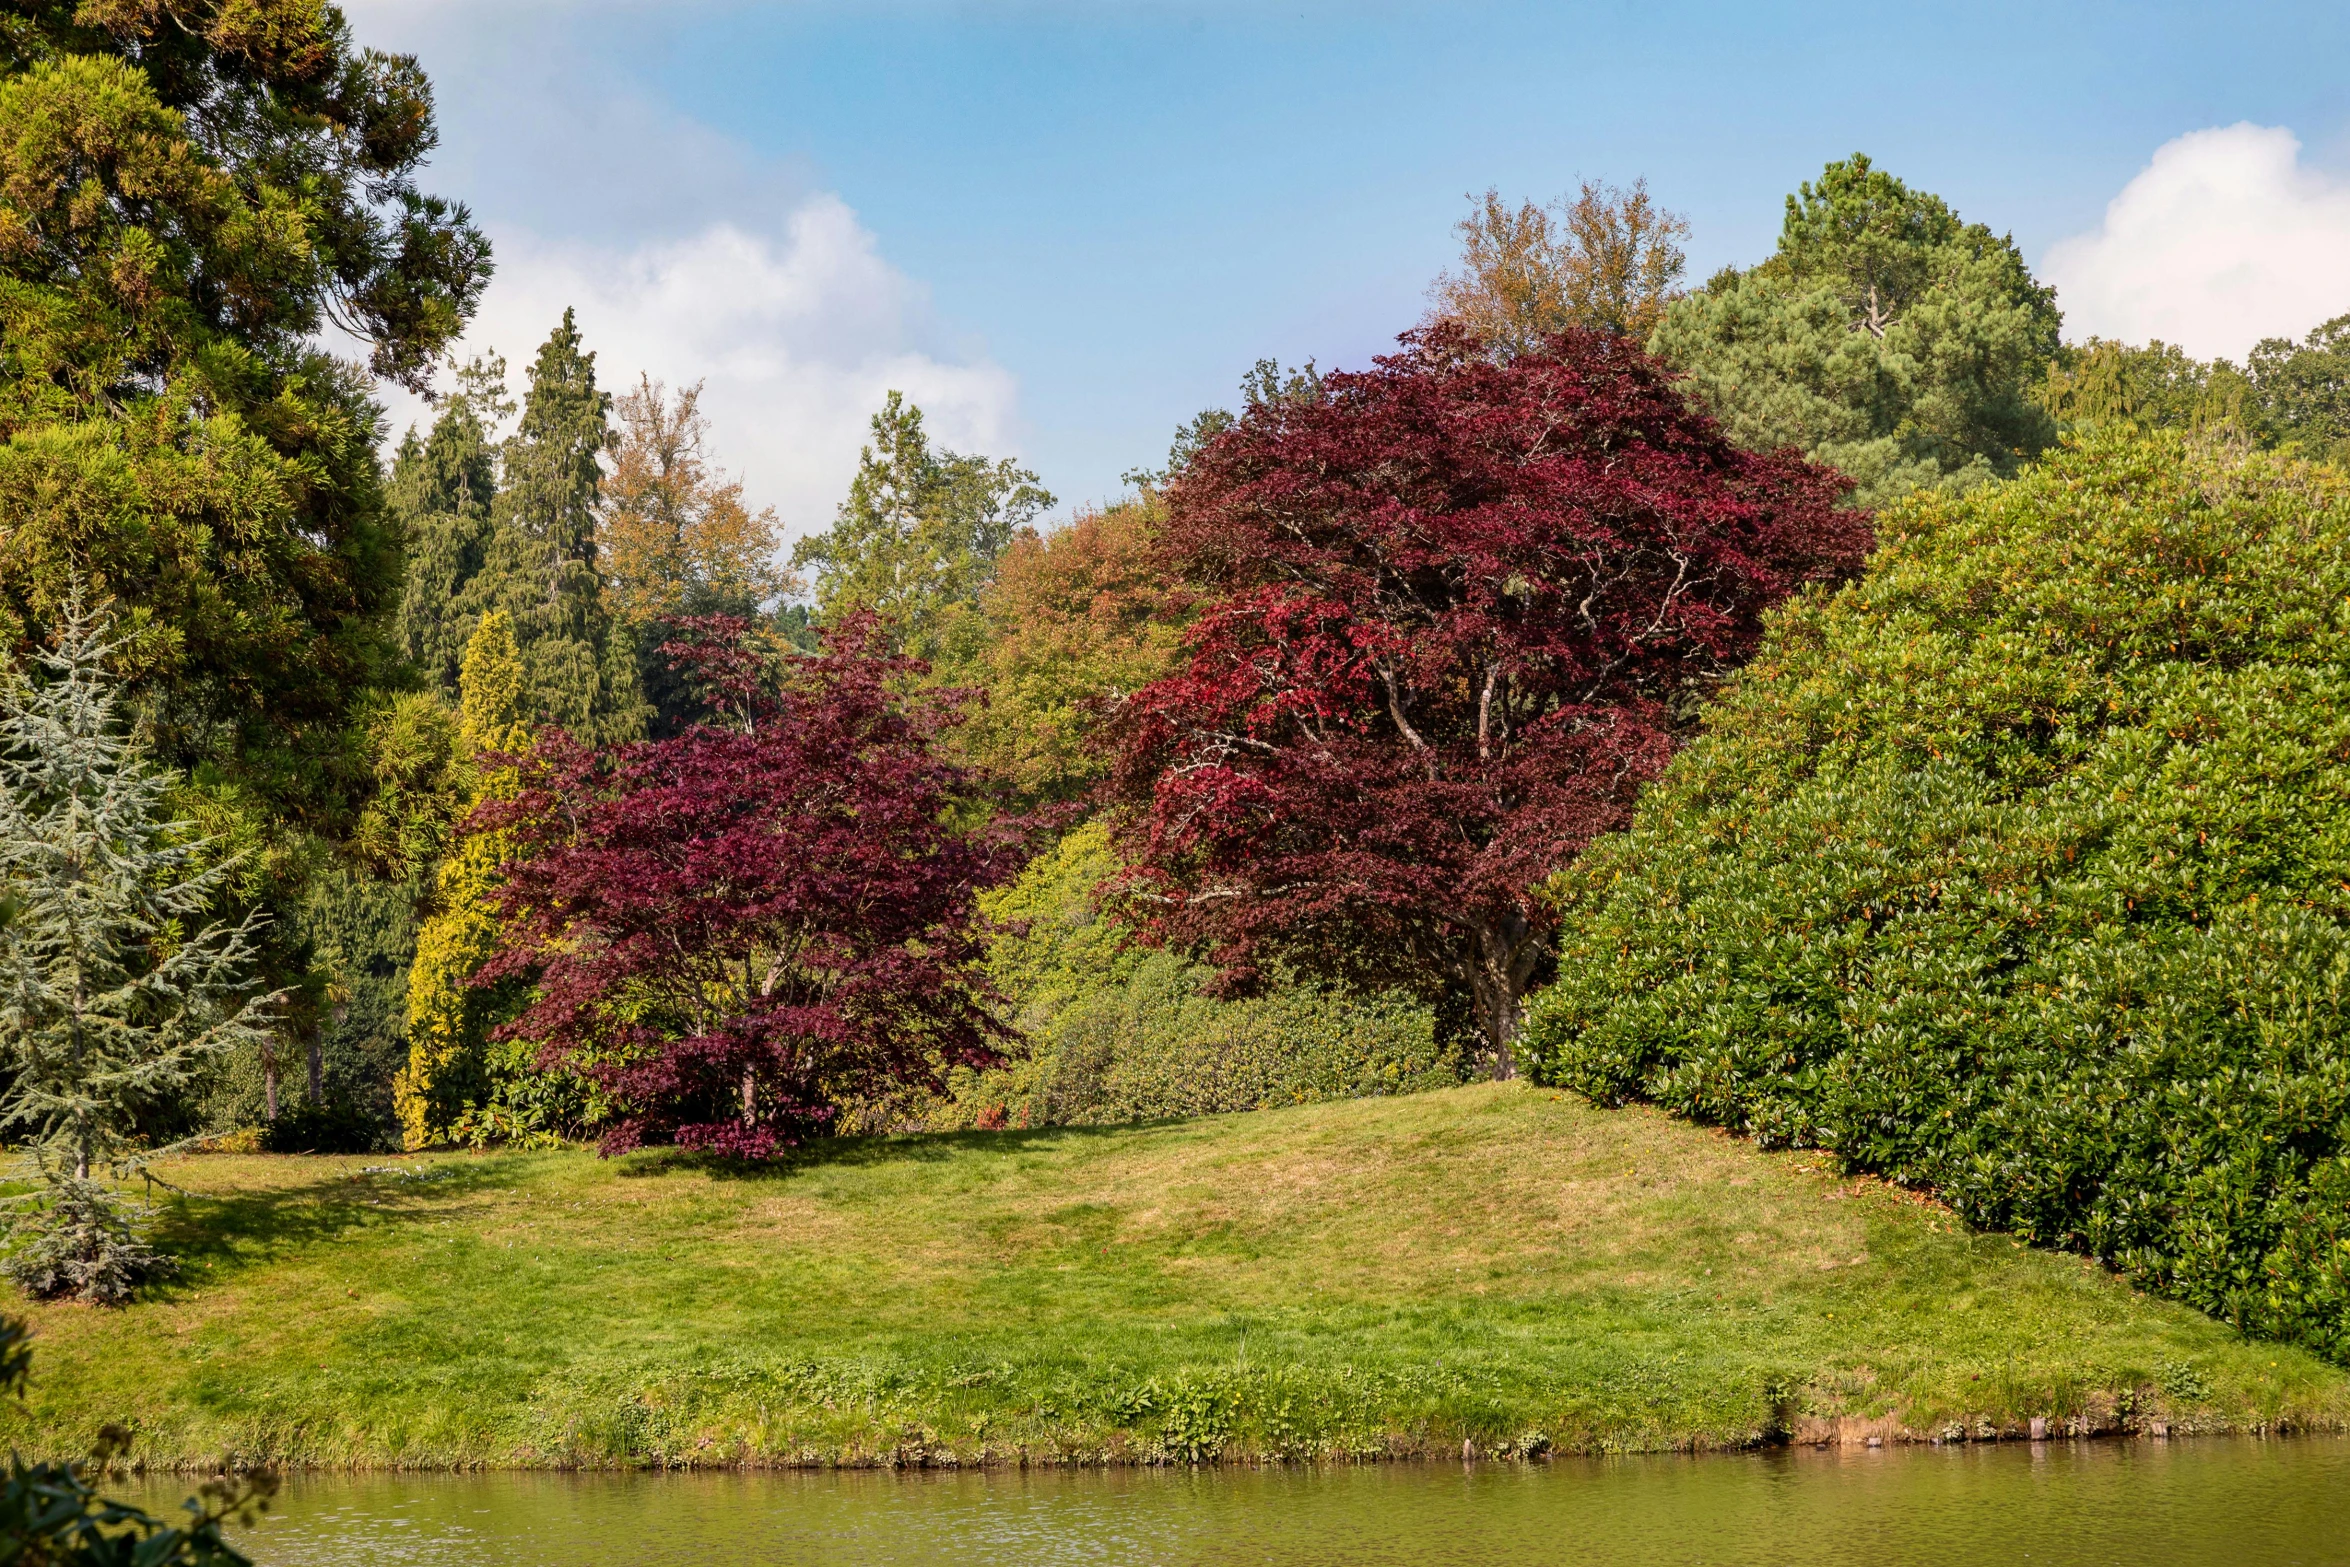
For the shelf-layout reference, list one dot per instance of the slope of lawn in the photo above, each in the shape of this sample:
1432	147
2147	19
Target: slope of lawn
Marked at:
1499	1264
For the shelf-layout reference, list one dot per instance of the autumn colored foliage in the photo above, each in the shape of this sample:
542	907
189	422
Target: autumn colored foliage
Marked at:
1453	602
734	929
1073	620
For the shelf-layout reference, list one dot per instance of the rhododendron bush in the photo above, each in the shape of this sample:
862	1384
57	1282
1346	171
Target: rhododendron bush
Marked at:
735	930
1454	601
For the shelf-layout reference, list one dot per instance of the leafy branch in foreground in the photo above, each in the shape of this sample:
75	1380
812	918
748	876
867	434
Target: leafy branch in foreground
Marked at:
107	1003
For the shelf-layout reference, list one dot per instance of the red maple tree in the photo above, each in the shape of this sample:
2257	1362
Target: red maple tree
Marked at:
734	929
1455	597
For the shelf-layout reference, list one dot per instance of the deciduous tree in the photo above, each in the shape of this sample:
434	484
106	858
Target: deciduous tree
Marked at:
733	930
1609	260
676	537
2301	391
1454	601
919	533
1075	620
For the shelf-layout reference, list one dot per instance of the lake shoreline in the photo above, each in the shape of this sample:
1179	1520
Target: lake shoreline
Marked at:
1359	1281
1023	1463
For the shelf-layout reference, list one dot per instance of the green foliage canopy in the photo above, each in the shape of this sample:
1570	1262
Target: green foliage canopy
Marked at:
1115	1031
919	534
2301	391
1884	337
189	195
1072	620
512	526
2020	870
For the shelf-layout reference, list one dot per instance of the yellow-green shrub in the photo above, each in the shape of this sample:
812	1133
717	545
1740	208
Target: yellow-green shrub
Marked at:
1117	1032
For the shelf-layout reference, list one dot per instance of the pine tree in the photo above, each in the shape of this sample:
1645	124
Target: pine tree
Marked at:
540	565
1886	337
107	1003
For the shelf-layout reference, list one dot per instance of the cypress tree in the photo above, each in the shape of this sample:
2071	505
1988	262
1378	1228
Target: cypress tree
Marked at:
447	1020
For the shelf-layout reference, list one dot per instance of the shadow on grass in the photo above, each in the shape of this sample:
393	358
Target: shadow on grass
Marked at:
871	1152
227	1233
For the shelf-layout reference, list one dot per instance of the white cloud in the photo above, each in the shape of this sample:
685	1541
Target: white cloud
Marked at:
798	339
2223	239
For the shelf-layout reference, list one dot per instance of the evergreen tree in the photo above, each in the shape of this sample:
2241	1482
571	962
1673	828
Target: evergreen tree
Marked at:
919	534
190	192
540	564
442	490
459	1083
1886	337
108	1004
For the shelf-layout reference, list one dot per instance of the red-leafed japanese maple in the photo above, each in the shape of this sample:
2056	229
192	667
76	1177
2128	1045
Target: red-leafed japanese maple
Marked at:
734	929
1456	597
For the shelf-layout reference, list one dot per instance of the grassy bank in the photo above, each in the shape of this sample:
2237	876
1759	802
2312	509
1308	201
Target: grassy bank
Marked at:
1390	1276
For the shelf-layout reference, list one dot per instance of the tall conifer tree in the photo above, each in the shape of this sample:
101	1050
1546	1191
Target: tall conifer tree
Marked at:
448	1021
443	489
540	563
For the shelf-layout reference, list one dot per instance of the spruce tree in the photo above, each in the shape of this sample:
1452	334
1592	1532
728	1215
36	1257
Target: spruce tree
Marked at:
540	563
108	1003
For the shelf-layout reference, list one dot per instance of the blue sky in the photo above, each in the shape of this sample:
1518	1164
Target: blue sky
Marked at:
1066	227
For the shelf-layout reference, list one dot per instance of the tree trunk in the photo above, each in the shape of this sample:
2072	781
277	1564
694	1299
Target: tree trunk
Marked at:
268	1082
314	1067
750	1097
1507	950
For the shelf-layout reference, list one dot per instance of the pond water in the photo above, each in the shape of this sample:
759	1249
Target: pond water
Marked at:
2240	1502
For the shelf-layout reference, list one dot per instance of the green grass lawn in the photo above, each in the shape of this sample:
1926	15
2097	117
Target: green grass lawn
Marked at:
1495	1263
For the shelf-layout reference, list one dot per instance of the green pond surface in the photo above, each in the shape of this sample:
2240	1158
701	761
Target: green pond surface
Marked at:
2240	1502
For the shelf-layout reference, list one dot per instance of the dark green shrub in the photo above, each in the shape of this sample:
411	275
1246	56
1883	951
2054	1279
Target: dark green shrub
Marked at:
2020	869
331	1125
1115	1032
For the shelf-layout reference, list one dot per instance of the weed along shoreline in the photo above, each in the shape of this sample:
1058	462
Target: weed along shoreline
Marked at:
1495	1265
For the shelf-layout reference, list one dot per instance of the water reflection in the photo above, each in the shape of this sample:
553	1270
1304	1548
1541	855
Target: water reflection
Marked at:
2242	1503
